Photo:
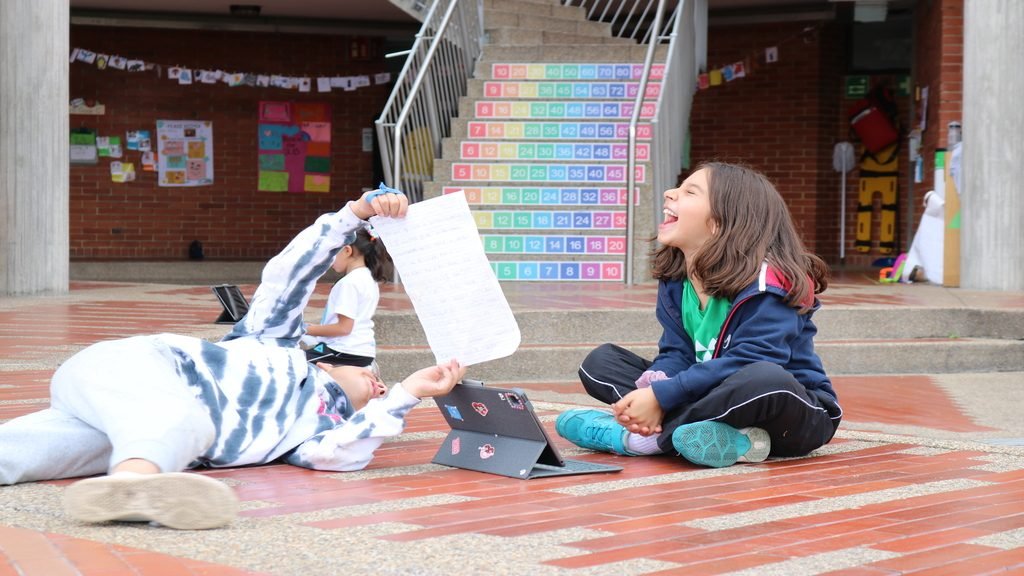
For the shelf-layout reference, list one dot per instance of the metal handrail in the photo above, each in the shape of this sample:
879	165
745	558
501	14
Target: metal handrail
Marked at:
426	96
670	123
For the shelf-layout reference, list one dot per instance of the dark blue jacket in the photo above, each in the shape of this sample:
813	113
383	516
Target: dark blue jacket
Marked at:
760	327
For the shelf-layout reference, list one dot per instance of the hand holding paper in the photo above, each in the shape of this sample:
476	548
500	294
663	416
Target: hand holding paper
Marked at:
437	251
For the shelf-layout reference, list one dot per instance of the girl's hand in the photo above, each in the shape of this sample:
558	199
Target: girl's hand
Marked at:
384	201
434	381
640	412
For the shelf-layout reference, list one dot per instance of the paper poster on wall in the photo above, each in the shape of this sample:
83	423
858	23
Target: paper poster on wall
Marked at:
83	146
294	147
109	146
184	152
139	140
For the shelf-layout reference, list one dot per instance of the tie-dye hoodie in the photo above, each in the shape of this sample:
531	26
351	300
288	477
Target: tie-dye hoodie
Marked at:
266	401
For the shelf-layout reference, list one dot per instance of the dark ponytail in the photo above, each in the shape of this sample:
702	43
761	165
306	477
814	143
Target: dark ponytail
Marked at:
374	254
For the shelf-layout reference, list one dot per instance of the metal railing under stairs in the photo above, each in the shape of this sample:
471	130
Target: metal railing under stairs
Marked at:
417	115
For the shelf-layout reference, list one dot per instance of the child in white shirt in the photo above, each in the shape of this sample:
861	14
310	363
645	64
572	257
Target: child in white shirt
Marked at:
345	336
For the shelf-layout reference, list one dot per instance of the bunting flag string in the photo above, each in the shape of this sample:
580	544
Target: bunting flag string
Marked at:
718	75
187	75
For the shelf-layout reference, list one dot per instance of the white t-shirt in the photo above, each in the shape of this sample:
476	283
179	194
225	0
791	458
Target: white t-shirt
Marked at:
356	296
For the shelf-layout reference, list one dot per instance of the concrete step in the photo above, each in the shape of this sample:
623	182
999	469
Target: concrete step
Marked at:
529	37
536	7
536	54
927	356
561	21
836	324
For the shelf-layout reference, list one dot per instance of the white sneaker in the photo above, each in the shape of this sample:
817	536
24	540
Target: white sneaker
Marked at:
177	500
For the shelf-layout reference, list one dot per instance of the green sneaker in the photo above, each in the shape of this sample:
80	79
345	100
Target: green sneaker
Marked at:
718	445
592	429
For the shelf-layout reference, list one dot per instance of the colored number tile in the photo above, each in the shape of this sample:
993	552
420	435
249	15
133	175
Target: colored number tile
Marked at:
511	90
513	130
588	72
577	173
508	151
611	110
481	172
483	219
499	70
569	129
528	270
551	130
602	220
554	244
470	150
510	196
461	171
530	196
538	172
582	220
495	130
520	172
556	109
492	195
611	270
520	110
517	71
589	196
499	172
493	244
564	151
592	111
605	72
553	71
570	71
514	244
506	270
575	245
608	131
550	196
619	220
623	72
590	271
599	90
545	151
640	174
502	109
595	174
569	270
563	90
596	245
609	196
472	195
523	220
542	220
502	219
588	131
535	72
570	196
563	220
558	173
546	90
534	244
538	109
484	110
616	245
548	271
527	91
532	130
581	90
527	151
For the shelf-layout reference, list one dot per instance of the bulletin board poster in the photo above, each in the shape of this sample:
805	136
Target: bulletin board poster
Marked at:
294	147
184	152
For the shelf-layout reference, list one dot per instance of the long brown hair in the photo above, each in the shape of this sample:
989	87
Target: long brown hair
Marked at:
374	254
752	225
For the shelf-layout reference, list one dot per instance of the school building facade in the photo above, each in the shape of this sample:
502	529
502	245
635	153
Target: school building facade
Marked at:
806	68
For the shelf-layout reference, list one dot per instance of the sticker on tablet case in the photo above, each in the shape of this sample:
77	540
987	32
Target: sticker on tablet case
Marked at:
480	408
456	445
453	411
513	400
486	451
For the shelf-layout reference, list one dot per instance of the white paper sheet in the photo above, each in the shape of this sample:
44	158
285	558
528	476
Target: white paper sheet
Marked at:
440	259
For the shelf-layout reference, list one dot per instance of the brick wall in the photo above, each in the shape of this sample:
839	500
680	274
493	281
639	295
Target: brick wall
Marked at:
939	58
140	220
780	119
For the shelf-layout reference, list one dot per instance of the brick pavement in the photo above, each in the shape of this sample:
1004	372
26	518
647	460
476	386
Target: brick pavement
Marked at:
908	486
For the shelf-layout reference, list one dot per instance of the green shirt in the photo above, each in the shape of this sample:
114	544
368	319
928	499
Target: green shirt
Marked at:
703	326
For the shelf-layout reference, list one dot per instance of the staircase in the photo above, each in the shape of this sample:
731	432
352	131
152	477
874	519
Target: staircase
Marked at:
540	145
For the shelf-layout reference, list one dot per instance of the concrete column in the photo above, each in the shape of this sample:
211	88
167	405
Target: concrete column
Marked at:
33	146
992	199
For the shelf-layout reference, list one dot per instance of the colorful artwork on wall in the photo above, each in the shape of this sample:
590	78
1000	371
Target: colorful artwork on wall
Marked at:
294	147
185	152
